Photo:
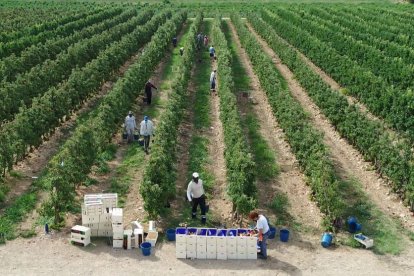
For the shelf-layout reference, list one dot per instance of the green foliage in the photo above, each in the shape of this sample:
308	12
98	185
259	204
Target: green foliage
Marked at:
390	157
306	142
158	184
239	161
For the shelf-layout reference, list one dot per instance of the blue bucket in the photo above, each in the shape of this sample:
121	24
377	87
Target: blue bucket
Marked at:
146	248
284	235
272	232
171	234
326	240
358	227
352	224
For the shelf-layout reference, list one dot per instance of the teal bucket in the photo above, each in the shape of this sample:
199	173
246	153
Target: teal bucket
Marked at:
284	235
146	248
272	232
171	234
326	240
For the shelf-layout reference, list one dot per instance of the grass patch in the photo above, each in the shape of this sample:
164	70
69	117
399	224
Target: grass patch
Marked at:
280	205
16	174
375	224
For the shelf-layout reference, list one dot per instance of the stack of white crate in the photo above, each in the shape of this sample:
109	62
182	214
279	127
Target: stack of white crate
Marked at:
80	235
117	227
181	243
221	248
232	244
221	244
202	244
96	213
211	244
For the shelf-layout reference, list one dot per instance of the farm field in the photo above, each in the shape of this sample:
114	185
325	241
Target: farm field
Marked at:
312	122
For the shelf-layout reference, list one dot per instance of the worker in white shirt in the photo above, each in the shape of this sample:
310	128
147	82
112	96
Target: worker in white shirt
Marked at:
130	126
263	228
213	79
147	129
195	194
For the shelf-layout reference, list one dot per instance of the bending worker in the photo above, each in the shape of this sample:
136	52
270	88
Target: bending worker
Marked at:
263	227
147	129
195	194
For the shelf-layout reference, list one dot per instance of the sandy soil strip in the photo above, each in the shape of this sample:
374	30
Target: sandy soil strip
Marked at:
348	161
290	180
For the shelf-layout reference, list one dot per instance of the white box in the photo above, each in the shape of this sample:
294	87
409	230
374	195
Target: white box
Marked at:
221	256
105	217
202	255
86	219
181	254
221	249
232	256
212	255
251	256
94	232
81	242
118	243
152	238
117	216
92	226
118	235
118	228
181	246
104	233
191	254
105	226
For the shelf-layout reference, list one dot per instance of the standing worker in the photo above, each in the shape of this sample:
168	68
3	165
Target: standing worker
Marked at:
199	41
205	41
212	52
263	227
181	51
147	129
174	41
213	81
195	194
130	126
148	91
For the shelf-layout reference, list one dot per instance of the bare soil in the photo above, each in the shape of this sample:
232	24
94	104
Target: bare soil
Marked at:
291	180
348	161
53	254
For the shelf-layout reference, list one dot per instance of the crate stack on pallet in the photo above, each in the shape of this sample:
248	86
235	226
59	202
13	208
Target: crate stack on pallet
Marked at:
117	227
96	213
210	243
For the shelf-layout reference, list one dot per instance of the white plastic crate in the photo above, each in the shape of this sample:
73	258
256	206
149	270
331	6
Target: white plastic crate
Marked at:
182	246
89	219
202	255
117	215
242	254
251	256
118	243
191	247
222	256
118	235
152	238
181	234
232	256
118	228
191	254
211	255
181	254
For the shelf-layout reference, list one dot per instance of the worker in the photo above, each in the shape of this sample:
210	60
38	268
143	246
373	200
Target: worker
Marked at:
212	52
195	194
199	41
213	81
147	129
174	41
205	41
181	51
263	228
148	91
130	126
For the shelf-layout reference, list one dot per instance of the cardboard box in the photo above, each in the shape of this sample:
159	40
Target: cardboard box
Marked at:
152	238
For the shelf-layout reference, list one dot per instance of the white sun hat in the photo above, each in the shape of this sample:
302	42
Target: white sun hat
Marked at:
195	175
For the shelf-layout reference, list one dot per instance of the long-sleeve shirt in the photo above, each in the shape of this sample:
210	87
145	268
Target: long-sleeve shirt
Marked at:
213	77
212	50
148	87
195	190
147	128
130	122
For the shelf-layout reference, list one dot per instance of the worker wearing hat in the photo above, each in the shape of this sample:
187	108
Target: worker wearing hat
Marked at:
195	194
146	130
130	125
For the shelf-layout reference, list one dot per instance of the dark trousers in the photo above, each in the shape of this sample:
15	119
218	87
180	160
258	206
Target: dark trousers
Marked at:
147	139
149	96
202	202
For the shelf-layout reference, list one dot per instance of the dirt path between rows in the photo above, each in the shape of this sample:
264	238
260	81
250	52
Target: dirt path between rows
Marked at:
220	203
291	180
348	161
